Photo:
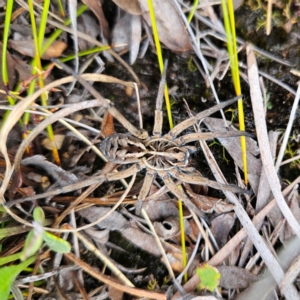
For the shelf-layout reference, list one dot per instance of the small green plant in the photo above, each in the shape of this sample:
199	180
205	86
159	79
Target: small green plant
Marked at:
209	277
28	255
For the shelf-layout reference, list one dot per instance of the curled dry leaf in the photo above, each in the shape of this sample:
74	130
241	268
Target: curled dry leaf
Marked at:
114	221
99	236
168	228
27	48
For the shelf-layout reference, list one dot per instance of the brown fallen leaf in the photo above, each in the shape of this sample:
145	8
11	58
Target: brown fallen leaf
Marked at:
27	48
96	7
107	125
208	204
131	6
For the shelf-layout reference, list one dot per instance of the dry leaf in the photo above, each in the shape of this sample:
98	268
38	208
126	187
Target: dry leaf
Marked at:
221	226
233	146
60	176
96	7
208	204
58	140
172	32
115	221
131	6
235	278
87	24
168	228
107	125
27	48
127	33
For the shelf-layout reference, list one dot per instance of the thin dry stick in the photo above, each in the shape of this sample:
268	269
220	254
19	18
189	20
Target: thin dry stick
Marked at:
269	17
291	273
288	129
262	136
107	280
159	244
111	265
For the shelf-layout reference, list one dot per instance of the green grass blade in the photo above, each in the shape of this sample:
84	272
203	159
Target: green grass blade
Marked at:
43	24
229	22
192	12
8	14
9	274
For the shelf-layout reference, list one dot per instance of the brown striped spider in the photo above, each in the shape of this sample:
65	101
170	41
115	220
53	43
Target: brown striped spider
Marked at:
166	156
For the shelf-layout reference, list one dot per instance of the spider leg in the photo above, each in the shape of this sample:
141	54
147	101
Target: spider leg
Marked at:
209	136
158	121
195	178
179	193
124	174
191	121
84	183
148	180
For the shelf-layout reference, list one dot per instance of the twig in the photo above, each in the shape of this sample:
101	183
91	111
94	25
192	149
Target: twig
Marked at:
288	129
107	280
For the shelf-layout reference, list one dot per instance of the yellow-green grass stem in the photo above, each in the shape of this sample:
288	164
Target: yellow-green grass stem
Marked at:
61	8
84	53
58	32
229	22
9	8
193	10
160	59
38	65
171	124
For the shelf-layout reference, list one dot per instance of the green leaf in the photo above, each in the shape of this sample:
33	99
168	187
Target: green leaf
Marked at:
39	215
33	243
9	258
209	277
56	243
9	274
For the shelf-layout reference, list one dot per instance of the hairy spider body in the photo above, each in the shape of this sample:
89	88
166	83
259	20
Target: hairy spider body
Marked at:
166	156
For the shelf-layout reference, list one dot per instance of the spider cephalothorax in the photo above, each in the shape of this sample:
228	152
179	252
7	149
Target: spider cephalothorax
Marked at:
156	153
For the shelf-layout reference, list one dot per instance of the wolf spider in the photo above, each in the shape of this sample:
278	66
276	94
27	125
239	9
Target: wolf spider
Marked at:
164	155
